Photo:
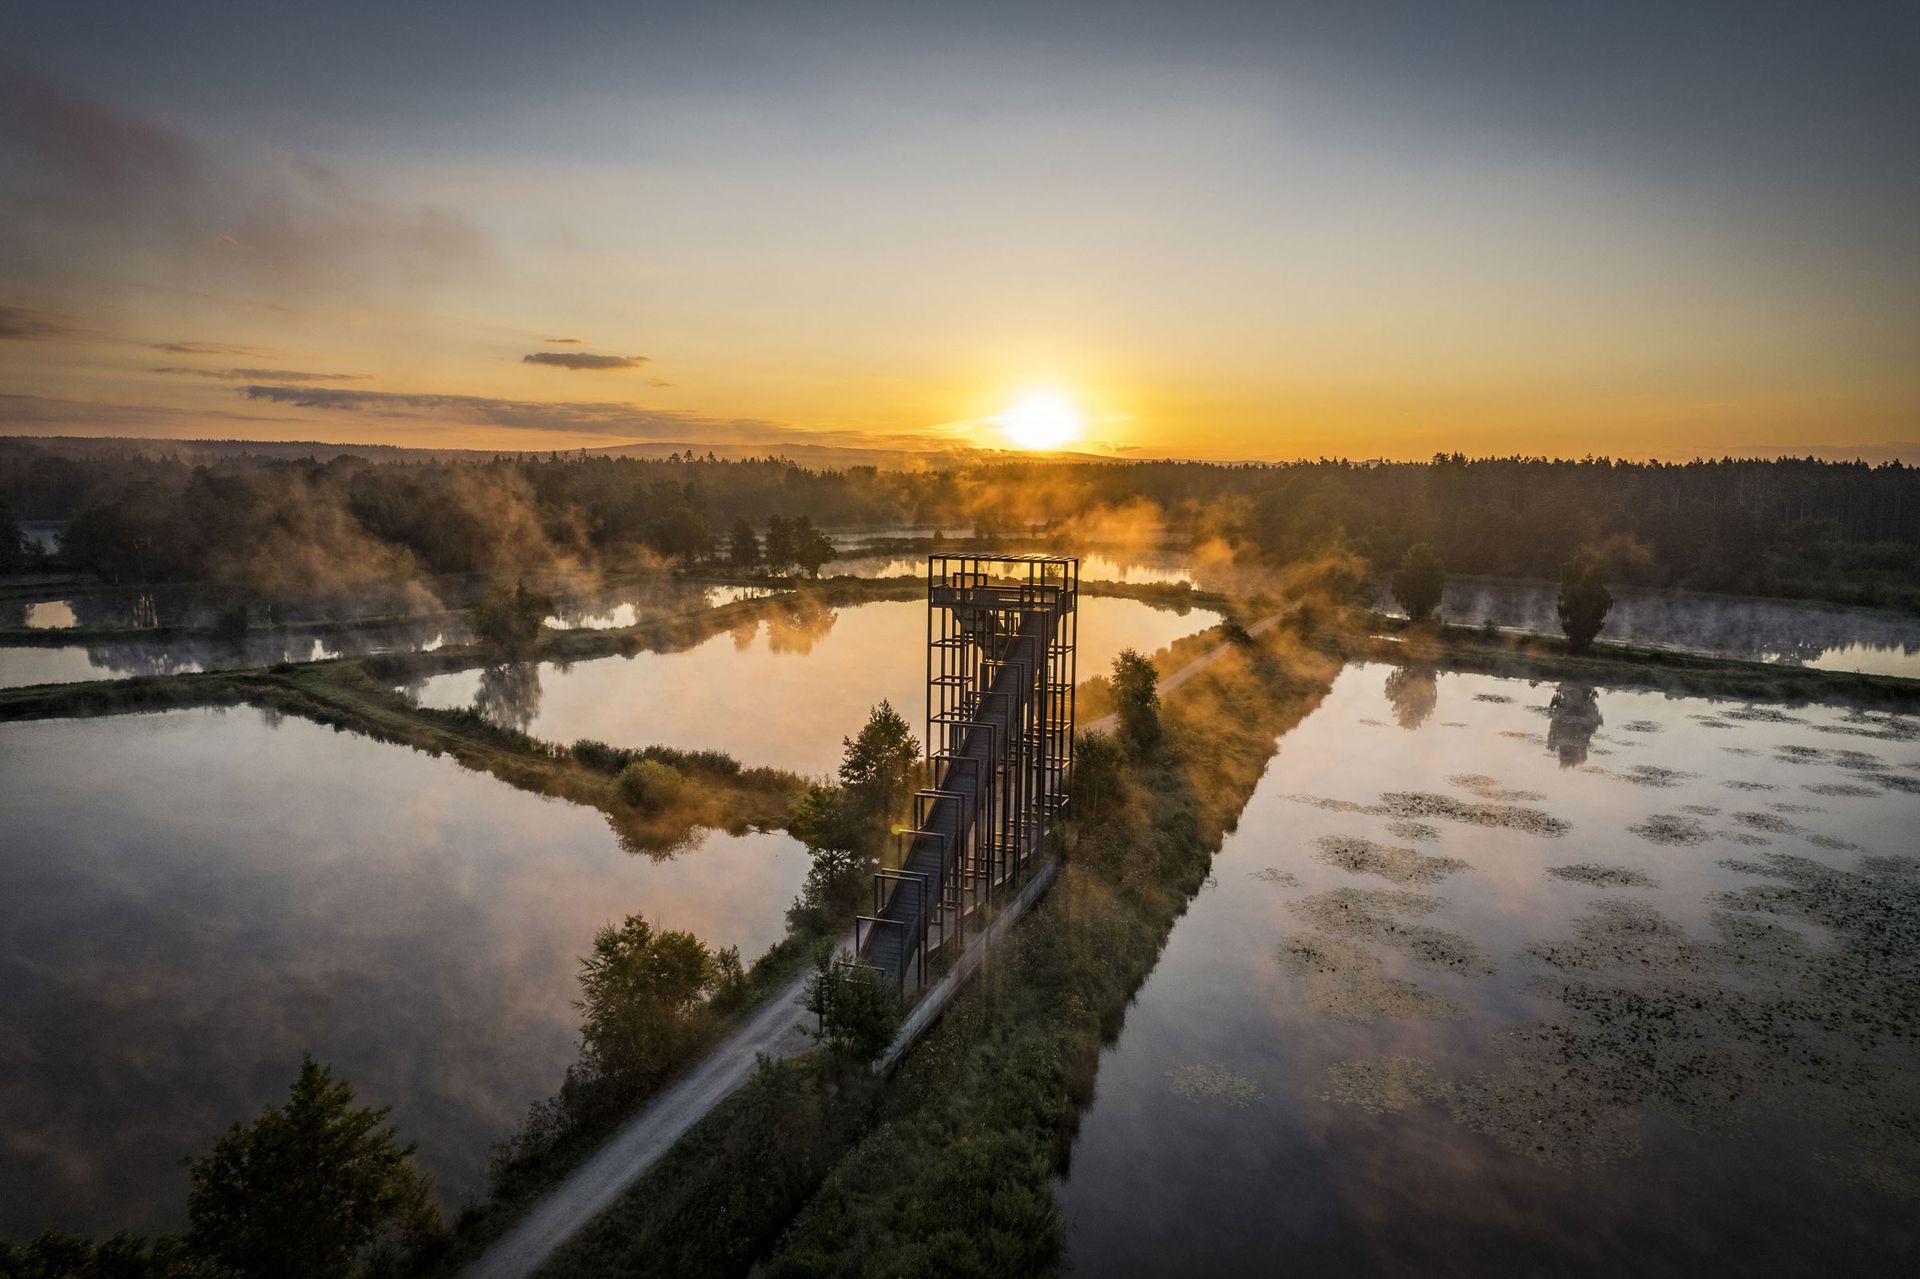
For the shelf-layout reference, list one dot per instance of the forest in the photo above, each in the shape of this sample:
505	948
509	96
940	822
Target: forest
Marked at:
1788	527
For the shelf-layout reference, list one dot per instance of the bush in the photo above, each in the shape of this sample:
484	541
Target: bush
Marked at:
859	1011
650	786
1420	581
1097	761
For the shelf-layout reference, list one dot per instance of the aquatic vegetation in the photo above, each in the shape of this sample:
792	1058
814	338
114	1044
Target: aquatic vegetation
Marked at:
1768	822
1850	790
1643	726
1490	788
1598	876
1763	715
1383	1085
1376	915
1421	804
1273	875
1401	865
1498	699
1700	810
1737	784
1206	1081
1408	829
1672	829
1343	980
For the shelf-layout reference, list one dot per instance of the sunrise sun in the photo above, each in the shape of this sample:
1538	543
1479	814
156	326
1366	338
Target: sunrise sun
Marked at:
1040	420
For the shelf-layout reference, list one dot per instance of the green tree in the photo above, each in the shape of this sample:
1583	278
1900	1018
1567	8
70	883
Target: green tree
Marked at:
1420	581
1584	601
878	767
858	1011
509	622
1097	760
811	548
13	543
639	991
308	1188
744	548
779	546
1136	699
54	1255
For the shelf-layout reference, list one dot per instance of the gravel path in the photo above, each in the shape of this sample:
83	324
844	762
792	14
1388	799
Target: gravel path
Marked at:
774	1031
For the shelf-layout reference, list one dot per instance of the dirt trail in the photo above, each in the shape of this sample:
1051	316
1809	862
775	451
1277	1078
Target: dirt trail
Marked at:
1107	723
774	1031
592	1187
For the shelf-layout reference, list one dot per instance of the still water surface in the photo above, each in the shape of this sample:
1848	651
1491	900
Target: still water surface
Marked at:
1794	634
784	692
189	900
1480	988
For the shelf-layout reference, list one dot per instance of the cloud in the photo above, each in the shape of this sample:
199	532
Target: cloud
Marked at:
565	341
610	418
580	361
18	324
274	375
97	196
211	348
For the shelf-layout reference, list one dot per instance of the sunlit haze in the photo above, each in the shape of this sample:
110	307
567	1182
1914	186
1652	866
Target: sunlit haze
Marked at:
1225	230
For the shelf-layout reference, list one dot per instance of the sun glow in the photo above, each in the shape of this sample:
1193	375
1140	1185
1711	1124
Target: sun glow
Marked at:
1041	420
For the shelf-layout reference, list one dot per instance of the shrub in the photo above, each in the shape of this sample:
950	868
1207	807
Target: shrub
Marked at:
859	1012
639	992
650	786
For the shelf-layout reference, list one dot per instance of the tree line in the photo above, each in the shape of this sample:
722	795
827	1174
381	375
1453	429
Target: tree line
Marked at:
1846	532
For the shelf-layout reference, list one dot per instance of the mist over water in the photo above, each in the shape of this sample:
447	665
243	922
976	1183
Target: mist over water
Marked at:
782	691
1793	634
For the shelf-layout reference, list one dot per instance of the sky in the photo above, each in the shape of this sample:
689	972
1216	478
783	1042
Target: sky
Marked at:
1233	231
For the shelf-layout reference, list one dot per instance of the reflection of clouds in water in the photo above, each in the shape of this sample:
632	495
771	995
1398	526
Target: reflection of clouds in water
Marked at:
413	923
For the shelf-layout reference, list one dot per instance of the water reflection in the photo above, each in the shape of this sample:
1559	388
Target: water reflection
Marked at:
1532	1018
209	895
1413	691
1574	717
121	658
1827	637
509	694
787	691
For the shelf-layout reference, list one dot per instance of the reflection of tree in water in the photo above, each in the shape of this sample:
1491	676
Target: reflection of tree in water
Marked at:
743	633
1575	709
798	625
1414	691
509	694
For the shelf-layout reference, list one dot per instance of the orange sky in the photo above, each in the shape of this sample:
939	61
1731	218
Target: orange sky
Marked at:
1290	233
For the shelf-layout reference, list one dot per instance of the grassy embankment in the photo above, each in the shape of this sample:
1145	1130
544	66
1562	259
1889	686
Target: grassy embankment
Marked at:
948	1167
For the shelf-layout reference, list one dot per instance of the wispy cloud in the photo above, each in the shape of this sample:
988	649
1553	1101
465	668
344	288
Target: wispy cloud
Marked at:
266	375
631	421
211	348
98	194
580	361
565	341
18	324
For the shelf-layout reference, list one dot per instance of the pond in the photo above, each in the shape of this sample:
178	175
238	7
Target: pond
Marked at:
190	900
782	692
1499	977
1796	634
22	664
